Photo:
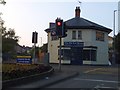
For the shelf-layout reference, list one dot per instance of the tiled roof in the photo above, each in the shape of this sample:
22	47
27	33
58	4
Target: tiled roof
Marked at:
81	23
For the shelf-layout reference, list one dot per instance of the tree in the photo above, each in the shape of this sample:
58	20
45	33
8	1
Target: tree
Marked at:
117	43
1	22
2	2
117	48
9	34
9	39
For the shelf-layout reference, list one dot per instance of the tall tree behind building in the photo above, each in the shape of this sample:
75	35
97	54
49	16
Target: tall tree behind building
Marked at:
117	48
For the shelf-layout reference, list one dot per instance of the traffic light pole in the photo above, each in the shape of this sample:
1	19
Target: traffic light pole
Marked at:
60	32
34	54
60	54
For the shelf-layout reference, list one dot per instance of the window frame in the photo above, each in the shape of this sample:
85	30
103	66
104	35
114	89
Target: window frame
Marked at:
100	36
79	35
89	56
74	35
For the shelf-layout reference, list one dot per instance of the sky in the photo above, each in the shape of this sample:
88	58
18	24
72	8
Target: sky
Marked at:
119	17
27	16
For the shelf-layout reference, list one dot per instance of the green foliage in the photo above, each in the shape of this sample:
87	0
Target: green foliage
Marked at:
117	43
8	45
9	40
12	71
2	2
10	34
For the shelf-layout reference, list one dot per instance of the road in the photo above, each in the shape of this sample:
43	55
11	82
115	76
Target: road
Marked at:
94	77
90	77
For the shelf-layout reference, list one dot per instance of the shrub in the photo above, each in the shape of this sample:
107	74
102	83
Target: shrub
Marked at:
11	71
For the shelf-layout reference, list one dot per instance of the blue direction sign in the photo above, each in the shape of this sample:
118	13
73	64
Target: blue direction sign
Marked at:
74	44
24	59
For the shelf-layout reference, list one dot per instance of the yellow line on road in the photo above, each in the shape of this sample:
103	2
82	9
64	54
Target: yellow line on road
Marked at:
92	70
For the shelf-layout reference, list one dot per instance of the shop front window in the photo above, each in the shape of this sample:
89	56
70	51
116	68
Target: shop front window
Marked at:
89	55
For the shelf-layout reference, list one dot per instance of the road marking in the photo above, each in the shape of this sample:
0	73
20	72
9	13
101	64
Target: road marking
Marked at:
97	80
102	86
106	87
92	70
99	87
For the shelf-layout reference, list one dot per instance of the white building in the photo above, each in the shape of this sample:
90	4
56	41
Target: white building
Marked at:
86	42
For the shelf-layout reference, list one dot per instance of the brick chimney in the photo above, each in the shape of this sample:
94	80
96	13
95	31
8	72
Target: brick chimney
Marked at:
77	12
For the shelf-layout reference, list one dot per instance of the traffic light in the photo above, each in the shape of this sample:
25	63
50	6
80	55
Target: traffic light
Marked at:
59	27
34	37
64	34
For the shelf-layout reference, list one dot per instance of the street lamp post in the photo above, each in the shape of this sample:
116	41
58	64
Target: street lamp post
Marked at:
114	23
114	31
114	35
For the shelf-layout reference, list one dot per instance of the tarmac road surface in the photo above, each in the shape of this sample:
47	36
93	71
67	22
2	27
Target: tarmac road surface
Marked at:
90	77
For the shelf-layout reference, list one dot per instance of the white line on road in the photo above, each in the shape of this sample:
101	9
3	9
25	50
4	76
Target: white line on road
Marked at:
92	70
97	87
105	87
97	80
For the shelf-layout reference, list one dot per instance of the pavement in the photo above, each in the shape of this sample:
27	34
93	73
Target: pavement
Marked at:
58	76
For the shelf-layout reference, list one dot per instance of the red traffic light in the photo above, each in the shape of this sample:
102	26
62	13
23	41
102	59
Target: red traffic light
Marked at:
58	23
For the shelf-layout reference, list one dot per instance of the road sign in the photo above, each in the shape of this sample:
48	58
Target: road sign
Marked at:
74	44
24	59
